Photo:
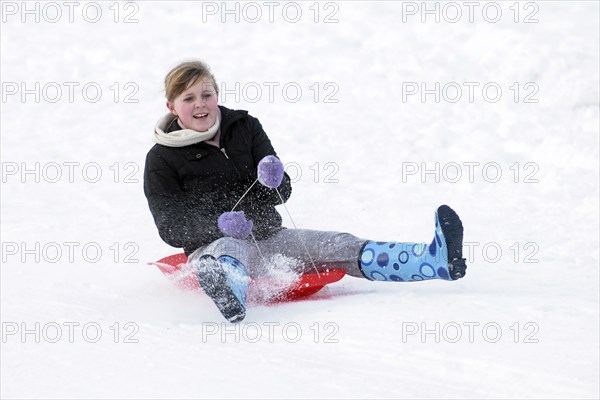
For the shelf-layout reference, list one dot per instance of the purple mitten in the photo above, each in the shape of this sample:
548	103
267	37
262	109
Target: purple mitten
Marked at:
234	224
270	171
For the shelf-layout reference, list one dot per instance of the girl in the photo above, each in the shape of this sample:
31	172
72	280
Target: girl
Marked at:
207	161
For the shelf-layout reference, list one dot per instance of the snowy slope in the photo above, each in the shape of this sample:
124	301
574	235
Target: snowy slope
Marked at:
82	314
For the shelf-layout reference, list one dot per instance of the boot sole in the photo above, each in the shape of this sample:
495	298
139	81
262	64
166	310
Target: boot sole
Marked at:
214	284
452	228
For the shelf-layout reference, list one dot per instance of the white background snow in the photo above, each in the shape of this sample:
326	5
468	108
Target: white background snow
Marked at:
522	324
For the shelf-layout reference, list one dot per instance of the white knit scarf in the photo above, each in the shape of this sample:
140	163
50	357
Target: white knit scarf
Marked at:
183	137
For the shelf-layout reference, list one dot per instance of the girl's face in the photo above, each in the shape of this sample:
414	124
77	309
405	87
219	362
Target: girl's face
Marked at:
196	107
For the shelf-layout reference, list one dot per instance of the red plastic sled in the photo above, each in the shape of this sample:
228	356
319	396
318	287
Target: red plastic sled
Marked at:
175	268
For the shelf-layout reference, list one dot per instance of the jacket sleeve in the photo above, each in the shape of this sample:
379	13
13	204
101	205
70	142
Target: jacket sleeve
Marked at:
182	220
261	147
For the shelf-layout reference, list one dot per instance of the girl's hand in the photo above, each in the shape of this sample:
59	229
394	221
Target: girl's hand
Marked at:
270	171
234	224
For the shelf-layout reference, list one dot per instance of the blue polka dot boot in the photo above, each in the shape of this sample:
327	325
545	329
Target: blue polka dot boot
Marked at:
403	262
225	281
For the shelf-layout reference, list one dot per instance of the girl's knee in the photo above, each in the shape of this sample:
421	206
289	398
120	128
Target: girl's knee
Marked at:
227	246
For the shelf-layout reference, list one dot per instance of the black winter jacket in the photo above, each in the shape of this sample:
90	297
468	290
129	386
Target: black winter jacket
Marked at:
189	187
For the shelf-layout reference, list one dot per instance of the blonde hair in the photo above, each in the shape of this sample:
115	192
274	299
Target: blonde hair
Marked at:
186	75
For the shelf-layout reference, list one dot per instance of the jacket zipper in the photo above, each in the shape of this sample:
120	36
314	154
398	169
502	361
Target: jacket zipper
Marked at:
224	153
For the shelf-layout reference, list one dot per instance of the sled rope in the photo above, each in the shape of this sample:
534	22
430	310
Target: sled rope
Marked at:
251	234
258	248
244	195
295	227
291	219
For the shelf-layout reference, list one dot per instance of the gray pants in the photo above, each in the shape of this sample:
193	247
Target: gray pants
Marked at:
293	247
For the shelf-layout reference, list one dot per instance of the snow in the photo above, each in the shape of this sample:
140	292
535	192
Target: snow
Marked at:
522	324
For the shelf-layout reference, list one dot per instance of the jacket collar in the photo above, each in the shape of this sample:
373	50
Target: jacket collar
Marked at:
229	116
168	132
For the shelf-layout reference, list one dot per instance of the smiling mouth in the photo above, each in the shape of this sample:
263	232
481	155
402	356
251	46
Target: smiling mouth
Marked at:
200	116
